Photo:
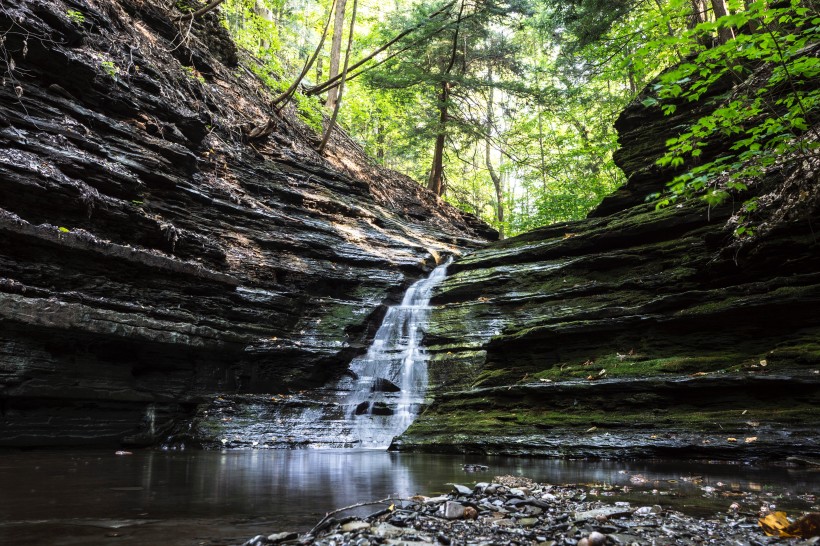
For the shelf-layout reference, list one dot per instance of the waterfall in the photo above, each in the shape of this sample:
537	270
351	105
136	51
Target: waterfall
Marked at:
151	417
374	402
391	378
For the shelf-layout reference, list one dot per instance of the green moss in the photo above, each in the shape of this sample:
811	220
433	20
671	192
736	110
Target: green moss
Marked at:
636	365
450	419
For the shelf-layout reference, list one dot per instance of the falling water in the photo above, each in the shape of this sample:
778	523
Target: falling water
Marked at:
374	402
391	379
151	416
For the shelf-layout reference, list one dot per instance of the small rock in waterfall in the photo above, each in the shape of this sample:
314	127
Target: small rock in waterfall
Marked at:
380	408
362	408
380	384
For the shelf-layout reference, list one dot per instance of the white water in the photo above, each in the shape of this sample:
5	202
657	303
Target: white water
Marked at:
391	379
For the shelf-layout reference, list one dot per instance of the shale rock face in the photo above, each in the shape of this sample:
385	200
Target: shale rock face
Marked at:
153	252
636	332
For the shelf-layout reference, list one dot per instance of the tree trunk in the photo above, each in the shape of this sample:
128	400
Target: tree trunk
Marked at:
333	81
336	50
499	188
379	138
338	102
698	13
725	34
436	181
308	63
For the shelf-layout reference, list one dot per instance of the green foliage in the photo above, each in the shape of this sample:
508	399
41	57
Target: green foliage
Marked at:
76	16
110	68
764	124
560	72
309	110
192	72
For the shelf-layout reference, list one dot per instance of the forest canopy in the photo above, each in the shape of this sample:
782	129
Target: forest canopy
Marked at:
505	108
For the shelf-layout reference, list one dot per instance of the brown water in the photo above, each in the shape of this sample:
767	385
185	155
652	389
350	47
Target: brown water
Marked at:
205	498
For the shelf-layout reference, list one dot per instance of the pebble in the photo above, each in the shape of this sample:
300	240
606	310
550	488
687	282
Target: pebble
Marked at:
453	510
356	525
462	490
515	511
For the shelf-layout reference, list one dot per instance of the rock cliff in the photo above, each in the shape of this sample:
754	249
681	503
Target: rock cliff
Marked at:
637	332
167	235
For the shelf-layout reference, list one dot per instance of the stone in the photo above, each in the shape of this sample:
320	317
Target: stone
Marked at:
453	510
608	511
388	531
380	408
356	525
280	537
596	539
462	490
381	384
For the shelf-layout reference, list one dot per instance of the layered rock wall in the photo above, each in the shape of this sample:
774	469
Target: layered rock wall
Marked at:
636	332
153	252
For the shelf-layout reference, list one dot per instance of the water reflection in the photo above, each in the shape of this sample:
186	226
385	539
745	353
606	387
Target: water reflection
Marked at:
291	489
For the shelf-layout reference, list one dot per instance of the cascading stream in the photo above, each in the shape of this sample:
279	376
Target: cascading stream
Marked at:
375	401
391	378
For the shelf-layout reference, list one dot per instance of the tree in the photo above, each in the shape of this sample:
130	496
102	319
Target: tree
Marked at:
336	49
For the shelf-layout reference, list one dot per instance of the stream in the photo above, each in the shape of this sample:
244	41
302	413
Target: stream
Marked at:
212	497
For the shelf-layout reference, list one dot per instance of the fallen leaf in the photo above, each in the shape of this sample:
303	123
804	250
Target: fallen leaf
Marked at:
777	525
751	439
745	412
763	363
774	523
731	440
592	429
806	527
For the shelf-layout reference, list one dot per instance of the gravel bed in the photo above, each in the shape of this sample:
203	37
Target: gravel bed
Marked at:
516	511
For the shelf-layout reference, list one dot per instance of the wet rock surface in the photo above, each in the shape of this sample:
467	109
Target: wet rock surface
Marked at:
636	332
515	510
154	250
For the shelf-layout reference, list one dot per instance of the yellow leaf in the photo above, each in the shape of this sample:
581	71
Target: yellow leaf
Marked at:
774	523
731	440
391	507
806	527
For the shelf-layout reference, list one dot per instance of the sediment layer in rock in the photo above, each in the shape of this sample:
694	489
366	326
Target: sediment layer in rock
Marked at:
635	332
152	252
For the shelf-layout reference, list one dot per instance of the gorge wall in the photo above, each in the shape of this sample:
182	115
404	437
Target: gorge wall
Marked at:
637	332
167	235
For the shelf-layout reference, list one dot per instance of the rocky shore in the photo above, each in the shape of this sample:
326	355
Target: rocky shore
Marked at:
515	510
